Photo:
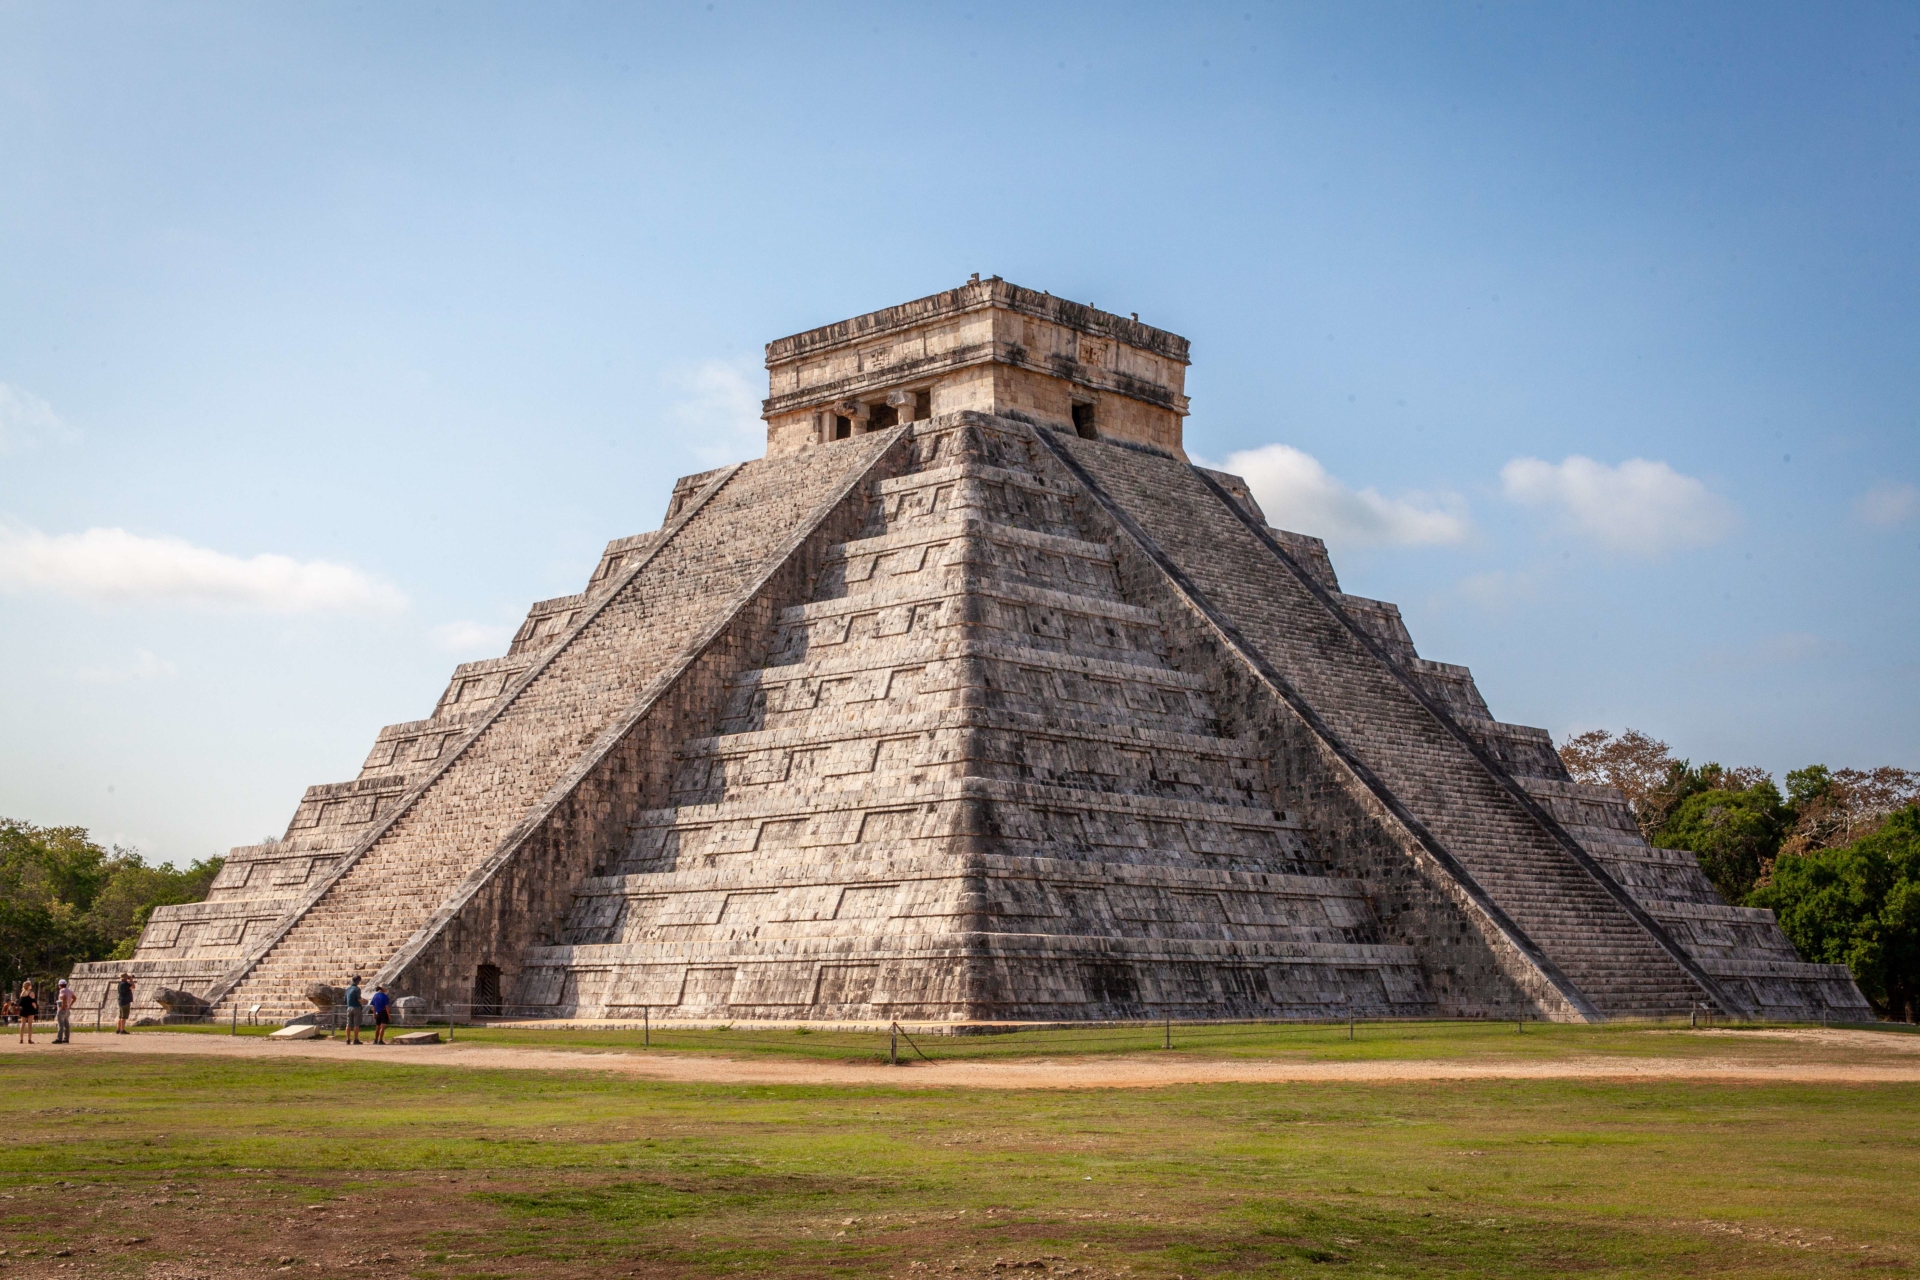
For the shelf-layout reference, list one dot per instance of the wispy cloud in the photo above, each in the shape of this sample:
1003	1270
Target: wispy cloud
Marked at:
1297	494
717	409
116	567
1639	507
472	638
1887	505
142	666
27	421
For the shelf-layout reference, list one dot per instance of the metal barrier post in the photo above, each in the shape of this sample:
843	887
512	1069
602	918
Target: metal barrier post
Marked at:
234	1028
646	1026
893	1045
1168	1044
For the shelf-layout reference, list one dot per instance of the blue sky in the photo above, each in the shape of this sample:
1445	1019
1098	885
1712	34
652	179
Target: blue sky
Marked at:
331	336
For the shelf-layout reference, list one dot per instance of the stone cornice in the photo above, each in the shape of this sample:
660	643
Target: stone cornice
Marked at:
976	296
976	354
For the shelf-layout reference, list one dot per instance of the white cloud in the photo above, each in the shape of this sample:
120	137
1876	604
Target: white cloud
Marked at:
1642	507
466	637
117	567
1297	494
26	421
1886	505
717	413
144	666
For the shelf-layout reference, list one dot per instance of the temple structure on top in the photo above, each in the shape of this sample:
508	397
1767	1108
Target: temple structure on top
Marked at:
987	347
972	701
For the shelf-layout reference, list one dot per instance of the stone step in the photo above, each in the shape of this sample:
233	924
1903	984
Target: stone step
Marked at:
969	526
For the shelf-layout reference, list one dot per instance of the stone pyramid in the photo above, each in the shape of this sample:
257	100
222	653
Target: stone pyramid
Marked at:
973	701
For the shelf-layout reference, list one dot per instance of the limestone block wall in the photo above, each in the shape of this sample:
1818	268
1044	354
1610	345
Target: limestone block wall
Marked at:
546	622
413	748
475	686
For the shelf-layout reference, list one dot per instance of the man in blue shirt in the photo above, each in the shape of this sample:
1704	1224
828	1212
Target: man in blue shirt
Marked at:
380	1004
354	1007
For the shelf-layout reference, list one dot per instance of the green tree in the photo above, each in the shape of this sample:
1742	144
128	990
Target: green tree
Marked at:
1734	831
1733	820
121	909
65	899
1858	905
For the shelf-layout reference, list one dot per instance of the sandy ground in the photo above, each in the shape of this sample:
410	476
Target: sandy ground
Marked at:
1829	1056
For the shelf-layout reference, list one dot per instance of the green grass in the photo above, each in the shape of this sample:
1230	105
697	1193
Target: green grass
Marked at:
509	1173
1391	1041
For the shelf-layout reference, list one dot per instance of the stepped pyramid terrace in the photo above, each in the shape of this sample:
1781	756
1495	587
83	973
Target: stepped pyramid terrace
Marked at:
973	700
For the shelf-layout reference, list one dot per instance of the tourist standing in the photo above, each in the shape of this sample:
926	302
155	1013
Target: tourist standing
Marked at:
29	1008
381	1004
354	1005
63	1014
124	990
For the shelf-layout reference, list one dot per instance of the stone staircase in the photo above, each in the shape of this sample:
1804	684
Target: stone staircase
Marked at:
520	725
1742	947
1467	810
969	784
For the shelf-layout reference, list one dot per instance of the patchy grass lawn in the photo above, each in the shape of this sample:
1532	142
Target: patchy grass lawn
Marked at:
196	1169
1320	1042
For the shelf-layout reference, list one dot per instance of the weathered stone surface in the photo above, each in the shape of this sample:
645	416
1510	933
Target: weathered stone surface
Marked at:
972	700
988	346
180	1003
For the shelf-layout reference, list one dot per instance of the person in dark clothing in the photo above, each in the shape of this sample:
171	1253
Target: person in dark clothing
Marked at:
124	989
29	1009
355	1006
381	1004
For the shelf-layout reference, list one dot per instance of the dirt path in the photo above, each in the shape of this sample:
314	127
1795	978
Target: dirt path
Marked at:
1828	1062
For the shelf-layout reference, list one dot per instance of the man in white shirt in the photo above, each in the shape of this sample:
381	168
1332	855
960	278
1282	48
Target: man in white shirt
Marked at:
63	1014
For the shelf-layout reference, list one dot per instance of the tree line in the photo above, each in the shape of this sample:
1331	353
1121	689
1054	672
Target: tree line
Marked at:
64	899
1836	856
